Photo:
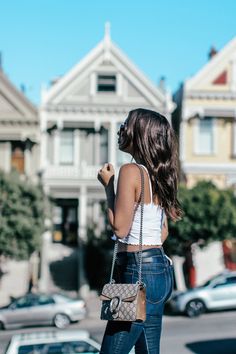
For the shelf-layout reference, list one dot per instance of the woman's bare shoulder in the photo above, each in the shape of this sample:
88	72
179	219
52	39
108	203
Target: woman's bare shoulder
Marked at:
129	169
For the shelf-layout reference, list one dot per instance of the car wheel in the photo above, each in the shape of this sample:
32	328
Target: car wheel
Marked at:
1	325
61	320
195	308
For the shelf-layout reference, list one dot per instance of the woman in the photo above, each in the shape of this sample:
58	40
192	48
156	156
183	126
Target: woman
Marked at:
147	136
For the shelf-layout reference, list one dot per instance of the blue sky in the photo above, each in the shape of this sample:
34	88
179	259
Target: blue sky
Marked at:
43	39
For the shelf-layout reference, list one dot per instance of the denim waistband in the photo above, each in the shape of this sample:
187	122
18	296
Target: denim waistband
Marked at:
148	256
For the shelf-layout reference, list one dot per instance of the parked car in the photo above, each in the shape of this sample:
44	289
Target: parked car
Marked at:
57	342
218	293
42	309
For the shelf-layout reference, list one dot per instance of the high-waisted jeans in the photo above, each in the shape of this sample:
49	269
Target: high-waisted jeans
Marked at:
157	274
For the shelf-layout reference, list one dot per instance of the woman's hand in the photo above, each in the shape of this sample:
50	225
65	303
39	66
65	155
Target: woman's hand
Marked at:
106	174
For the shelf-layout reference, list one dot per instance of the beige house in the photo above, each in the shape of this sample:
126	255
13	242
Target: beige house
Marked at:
208	120
206	123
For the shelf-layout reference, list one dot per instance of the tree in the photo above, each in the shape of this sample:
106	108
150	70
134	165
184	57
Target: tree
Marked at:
209	215
21	216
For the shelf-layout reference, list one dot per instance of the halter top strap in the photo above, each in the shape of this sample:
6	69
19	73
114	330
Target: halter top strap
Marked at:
149	179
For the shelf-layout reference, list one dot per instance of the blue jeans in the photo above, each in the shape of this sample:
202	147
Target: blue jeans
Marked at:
157	274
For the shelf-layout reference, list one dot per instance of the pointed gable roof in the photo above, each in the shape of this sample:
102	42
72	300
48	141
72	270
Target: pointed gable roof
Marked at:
14	105
219	71
107	52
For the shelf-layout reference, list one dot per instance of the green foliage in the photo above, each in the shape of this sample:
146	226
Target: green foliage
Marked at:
21	216
209	214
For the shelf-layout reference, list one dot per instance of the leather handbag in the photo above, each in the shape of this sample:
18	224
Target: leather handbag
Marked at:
126	302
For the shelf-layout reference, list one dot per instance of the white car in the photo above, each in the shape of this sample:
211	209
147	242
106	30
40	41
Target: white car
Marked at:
218	293
42	309
54	342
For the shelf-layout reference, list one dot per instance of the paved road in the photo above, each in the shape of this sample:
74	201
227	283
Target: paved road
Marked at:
213	333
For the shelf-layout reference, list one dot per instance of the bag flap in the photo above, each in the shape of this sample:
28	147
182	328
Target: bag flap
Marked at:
127	292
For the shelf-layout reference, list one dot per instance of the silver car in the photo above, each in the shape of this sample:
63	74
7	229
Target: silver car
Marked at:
42	309
218	293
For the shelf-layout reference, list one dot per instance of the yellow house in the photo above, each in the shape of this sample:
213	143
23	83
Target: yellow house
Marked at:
207	120
206	123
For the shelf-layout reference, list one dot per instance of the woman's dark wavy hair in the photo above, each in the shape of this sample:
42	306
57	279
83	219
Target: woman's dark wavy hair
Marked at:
154	144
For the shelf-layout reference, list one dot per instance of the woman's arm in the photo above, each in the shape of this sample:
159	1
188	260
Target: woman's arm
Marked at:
165	231
121	205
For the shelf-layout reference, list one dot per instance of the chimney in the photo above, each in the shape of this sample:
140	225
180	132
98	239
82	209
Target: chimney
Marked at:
55	80
22	88
212	52
162	83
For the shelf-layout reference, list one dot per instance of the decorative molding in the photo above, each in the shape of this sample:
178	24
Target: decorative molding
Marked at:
210	95
221	168
207	111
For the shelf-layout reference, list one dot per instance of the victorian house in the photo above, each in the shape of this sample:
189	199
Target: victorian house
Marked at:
19	131
79	118
206	121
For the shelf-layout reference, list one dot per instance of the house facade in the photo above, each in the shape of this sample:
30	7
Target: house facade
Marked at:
19	131
208	120
79	118
206	123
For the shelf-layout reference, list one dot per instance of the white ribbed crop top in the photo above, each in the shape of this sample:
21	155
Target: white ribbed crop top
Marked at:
153	216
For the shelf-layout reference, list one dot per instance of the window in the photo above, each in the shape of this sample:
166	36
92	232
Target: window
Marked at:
67	147
231	280
23	302
17	156
44	300
106	83
205	136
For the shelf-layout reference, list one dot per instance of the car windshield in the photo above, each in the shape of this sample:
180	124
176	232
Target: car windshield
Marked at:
208	282
73	347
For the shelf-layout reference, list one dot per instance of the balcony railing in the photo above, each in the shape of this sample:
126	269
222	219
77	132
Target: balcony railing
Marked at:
82	171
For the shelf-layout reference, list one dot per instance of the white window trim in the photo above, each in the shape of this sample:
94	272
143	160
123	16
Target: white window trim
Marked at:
93	83
196	138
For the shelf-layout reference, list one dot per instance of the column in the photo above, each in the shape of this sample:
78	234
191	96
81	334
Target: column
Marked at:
27	154
178	271
56	147
44	270
97	149
112	145
83	287
7	157
76	147
83	213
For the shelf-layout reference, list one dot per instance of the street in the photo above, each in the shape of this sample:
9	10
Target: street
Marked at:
212	333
